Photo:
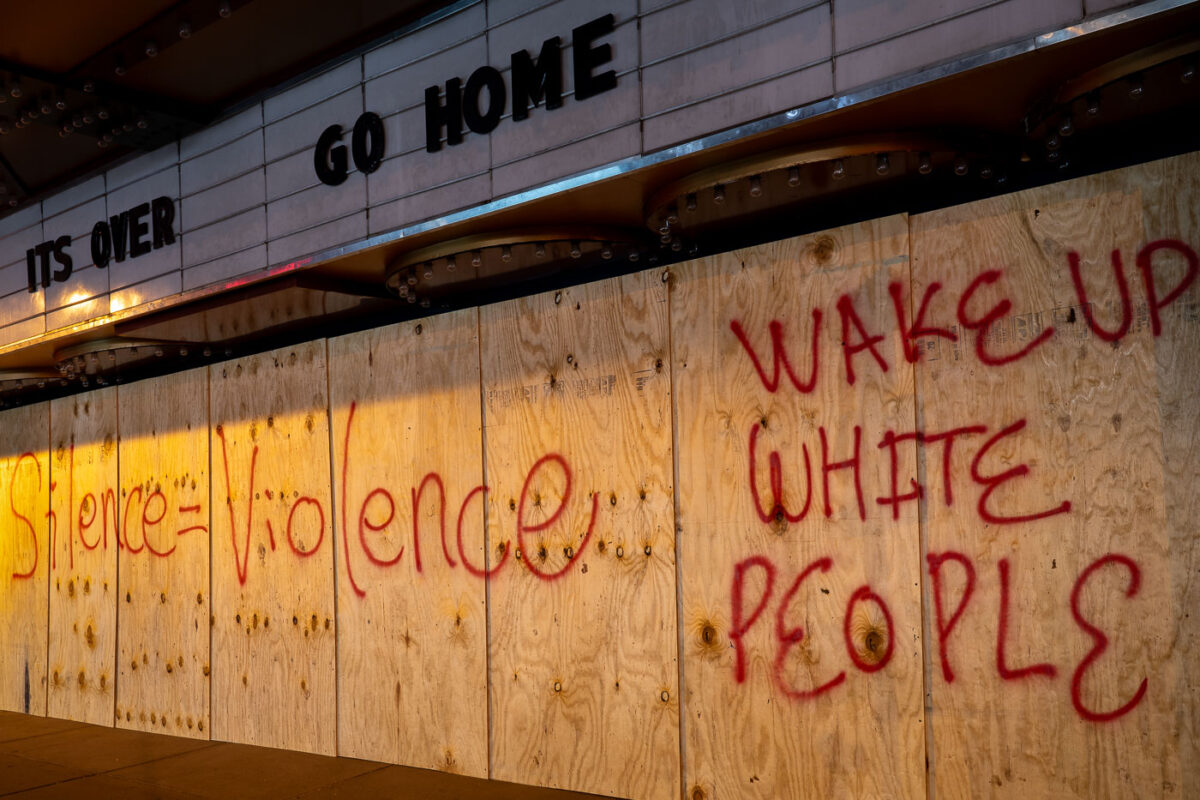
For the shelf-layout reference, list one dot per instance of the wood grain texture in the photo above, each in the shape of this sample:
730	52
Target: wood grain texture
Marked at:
775	735
412	640
163	588
1172	211
1023	723
274	634
583	667
548	421
83	556
24	561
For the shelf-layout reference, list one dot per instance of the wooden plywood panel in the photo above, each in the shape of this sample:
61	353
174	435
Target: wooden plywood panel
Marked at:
163	591
801	612
1172	213
412	625
24	565
274	637
1050	582
583	651
83	556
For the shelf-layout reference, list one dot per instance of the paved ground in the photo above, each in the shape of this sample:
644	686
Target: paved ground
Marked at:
52	758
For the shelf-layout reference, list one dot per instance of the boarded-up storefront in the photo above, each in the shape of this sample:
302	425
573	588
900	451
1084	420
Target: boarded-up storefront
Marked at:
900	507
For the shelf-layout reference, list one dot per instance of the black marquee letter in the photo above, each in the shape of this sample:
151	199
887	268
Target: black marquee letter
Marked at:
43	251
119	226
587	58
490	78
330	161
448	116
368	126
101	244
62	257
162	214
137	229
534	80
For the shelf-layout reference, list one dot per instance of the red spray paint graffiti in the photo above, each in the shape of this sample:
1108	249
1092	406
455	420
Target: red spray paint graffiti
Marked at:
17	515
776	509
856	338
385	515
787	637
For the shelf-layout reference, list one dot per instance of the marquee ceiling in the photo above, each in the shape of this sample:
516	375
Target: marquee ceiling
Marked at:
86	83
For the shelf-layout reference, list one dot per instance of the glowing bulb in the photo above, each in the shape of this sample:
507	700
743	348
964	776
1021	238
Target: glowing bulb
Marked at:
1136	87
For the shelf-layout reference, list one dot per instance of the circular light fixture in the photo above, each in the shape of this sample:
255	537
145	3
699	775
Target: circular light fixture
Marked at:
503	257
1148	81
779	179
102	359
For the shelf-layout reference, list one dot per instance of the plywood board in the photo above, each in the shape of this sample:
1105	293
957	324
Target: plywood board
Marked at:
24	561
412	624
801	612
1052	672
1172	212
274	630
584	671
163	588
83	556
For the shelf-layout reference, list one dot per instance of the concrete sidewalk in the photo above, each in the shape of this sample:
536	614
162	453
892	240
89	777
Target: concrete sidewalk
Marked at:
42	757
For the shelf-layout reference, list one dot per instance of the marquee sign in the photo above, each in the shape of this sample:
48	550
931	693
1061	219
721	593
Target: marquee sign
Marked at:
534	81
479	105
130	234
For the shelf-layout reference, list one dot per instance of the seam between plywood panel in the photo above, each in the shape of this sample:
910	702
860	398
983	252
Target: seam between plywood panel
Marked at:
678	541
51	532
923	552
487	583
116	639
211	610
333	528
